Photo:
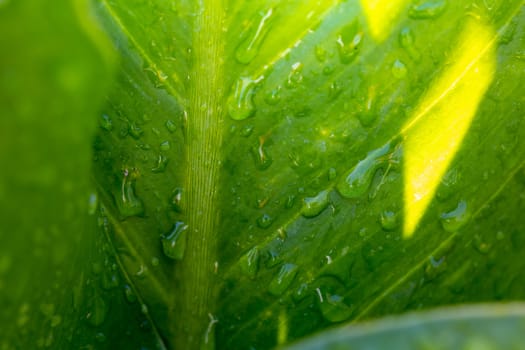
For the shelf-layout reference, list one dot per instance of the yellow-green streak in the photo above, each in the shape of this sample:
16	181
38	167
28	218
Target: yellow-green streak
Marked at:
194	275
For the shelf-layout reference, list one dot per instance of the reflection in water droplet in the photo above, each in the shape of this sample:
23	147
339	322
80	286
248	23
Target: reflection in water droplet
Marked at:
331	303
128	204
313	206
357	181
240	101
264	221
295	77
428	9
161	164
348	42
389	220
406	38
260	155
250	262
176	199
455	219
174	244
283	279
399	70
248	49
171	126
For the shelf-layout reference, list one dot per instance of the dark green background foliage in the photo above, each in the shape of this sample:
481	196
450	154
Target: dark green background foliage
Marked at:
228	174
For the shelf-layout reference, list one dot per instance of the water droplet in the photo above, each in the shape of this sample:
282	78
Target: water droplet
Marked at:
480	245
331	303
92	204
161	164
106	123
283	279
328	69
128	203
129	294
313	206
434	267
295	77
301	292
165	146
290	200
100	337
428	9
247	130
332	174
176	199
273	97
264	221
109	280
449	184
135	131
455	219
171	126
399	70
99	310
357	181
250	262
248	49
174	244
240	101
406	38
320	53
260	155
389	220
348	42
155	261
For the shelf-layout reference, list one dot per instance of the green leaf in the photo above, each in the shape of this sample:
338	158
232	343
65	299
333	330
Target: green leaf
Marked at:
465	327
265	170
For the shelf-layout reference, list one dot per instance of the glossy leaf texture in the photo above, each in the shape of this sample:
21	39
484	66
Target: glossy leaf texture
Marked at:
268	169
464	327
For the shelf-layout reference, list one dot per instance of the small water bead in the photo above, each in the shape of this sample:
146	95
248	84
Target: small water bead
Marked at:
428	9
296	76
406	38
273	97
357	181
155	261
289	202
389	220
265	221
329	291
260	155
129	294
106	123
249	48
283	279
165	146
92	204
247	130
348	42
176	199
250	262
128	204
452	221
100	337
160	164
399	70
135	131
320	53
174	244
434	267
171	126
98	311
240	102
480	245
332	174
313	206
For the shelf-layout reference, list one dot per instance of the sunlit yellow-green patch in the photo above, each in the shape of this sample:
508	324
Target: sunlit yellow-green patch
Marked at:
449	106
381	16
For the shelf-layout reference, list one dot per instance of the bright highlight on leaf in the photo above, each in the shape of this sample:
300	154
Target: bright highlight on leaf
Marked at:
381	16
449	107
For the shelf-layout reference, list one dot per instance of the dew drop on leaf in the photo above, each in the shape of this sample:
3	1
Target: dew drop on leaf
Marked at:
320	53
283	279
129	294
135	130
264	221
98	311
389	221
348	42
249	47
165	146
171	126
452	221
427	9
250	262
313	206
331	303
160	164
176	199
128	203
406	38
106	123
174	243
357	181
399	70
240	102
273	97
295	77
260	155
